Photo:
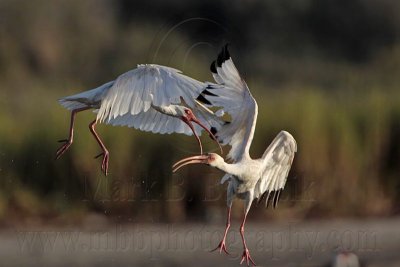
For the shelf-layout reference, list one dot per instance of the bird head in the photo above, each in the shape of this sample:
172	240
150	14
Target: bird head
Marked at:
188	113
211	159
182	111
188	117
214	160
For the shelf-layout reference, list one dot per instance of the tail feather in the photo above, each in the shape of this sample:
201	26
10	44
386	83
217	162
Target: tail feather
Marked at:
90	98
71	104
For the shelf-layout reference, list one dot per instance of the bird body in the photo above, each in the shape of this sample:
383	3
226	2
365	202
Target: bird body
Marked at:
150	98
248	178
242	176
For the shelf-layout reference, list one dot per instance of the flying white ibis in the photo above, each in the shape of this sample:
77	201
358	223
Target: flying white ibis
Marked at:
151	98
248	178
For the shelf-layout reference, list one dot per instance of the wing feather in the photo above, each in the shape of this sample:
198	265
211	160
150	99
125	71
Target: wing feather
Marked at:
136	90
129	100
232	94
152	121
276	162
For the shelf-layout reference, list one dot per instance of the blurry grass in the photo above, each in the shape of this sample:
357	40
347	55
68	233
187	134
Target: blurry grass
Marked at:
345	118
344	142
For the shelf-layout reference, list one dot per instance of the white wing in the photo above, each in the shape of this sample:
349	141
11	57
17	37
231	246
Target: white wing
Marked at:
153	121
157	122
128	100
234	96
277	161
136	90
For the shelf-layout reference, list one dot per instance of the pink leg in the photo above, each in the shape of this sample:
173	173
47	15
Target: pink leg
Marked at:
246	254
194	133
68	142
222	246
105	154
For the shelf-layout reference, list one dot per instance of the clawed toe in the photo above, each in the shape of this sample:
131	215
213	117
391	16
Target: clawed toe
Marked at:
246	256
99	155
63	148
221	247
104	163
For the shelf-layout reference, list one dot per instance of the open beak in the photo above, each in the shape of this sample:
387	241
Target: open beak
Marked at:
190	160
195	120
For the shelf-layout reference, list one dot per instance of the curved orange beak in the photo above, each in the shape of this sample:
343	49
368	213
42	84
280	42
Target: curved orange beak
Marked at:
203	159
195	120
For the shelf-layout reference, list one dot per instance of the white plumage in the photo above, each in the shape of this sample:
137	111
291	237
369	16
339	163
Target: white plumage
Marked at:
248	178
148	85
150	98
163	100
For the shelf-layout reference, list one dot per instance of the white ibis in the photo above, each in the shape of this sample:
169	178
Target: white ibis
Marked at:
248	178
151	98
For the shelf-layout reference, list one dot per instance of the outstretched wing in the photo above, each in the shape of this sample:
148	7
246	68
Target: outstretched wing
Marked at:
157	122
153	121
128	102
277	161
232	94
137	90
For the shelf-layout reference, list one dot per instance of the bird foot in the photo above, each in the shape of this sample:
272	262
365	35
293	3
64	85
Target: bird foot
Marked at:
221	247
104	164
63	148
246	256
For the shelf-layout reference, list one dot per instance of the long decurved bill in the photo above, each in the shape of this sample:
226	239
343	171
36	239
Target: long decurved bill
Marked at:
190	160
195	120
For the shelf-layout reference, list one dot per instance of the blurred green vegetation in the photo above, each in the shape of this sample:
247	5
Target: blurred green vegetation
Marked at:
334	87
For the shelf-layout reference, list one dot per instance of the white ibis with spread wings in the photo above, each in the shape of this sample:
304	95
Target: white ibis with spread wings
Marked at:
150	98
248	178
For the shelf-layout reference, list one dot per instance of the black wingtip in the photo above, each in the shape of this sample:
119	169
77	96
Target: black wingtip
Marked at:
219	60
223	55
203	100
227	54
213	130
213	68
206	92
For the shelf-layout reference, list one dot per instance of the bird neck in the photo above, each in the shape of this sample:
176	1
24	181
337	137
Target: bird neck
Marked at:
170	110
231	168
